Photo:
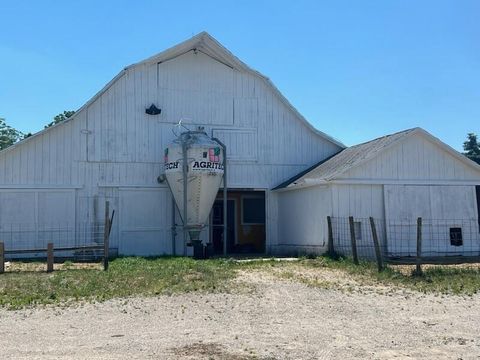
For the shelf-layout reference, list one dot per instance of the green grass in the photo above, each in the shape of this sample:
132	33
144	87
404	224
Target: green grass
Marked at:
125	277
456	280
149	277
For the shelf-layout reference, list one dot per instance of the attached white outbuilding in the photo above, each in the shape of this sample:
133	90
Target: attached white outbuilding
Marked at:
395	179
53	185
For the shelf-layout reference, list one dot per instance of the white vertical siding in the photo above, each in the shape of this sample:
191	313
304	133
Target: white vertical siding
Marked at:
416	158
441	207
242	144
31	218
360	201
196	88
145	222
302	220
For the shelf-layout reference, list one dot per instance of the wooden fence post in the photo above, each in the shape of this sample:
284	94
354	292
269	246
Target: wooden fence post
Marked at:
353	240
331	249
50	257
378	253
418	269
106	235
2	257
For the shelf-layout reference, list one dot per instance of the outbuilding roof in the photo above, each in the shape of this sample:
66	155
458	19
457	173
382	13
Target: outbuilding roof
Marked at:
332	167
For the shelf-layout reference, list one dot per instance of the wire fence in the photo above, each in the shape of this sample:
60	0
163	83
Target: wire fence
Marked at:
57	242
79	242
439	241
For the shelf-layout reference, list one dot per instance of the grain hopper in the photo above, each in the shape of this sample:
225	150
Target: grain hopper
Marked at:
194	166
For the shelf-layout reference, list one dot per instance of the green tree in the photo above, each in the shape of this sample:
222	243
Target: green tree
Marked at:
8	135
472	148
61	117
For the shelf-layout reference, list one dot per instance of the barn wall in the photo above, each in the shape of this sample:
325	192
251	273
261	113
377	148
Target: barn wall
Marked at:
51	158
361	201
272	221
24	224
415	158
302	219
442	208
112	145
396	208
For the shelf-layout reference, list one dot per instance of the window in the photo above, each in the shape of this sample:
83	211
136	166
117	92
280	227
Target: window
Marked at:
456	238
253	210
357	227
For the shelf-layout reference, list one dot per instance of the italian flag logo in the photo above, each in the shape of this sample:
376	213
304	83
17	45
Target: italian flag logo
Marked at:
214	154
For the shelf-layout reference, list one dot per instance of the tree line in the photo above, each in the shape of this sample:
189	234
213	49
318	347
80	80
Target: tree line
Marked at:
472	148
10	136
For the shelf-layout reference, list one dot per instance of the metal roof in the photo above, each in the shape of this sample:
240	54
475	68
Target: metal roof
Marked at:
346	159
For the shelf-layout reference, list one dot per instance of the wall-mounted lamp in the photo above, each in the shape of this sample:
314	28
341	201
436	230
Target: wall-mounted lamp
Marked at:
153	110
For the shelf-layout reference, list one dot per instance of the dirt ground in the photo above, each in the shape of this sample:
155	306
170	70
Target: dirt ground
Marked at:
275	319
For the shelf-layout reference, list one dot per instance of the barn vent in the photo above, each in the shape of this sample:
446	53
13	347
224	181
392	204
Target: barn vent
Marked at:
456	238
153	110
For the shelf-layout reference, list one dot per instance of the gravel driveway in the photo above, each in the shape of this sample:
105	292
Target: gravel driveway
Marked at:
278	320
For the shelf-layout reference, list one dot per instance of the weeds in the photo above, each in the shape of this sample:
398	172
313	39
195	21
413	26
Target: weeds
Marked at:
173	275
452	279
125	277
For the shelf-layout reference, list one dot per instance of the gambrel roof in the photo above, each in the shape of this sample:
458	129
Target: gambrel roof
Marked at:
206	44
354	156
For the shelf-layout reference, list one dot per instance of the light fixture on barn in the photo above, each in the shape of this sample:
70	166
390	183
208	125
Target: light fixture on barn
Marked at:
153	110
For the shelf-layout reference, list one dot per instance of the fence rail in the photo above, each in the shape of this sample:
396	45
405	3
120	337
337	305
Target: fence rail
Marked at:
415	241
79	242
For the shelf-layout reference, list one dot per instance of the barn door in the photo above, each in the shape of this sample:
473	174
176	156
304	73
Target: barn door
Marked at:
444	209
29	219
144	226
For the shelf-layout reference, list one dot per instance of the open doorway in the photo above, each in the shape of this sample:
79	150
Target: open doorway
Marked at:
246	219
217	226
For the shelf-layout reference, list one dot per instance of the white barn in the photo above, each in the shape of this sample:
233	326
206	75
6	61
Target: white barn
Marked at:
53	185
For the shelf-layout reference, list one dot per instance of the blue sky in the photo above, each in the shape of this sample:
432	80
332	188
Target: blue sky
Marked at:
355	69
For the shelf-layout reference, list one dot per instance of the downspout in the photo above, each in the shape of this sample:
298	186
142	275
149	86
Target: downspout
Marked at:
185	194
174	228
174	225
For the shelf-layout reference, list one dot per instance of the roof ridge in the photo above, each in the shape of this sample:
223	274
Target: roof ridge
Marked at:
350	157
406	131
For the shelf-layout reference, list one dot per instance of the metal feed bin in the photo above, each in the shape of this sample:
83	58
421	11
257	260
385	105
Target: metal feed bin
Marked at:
194	168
